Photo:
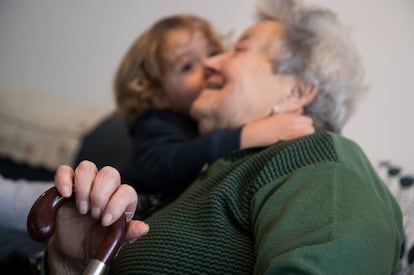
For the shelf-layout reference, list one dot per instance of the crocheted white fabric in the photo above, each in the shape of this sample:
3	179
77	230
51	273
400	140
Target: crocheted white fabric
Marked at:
401	186
42	130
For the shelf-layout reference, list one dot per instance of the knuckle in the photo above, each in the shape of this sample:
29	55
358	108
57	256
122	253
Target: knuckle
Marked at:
63	169
128	189
111	173
86	166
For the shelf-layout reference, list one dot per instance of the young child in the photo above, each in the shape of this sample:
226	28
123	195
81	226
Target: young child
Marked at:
156	83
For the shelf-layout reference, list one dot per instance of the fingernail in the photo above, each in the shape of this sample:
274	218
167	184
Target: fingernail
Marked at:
96	212
147	229
65	191
106	219
83	207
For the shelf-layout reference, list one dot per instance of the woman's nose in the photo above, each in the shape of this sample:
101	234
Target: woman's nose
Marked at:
209	71
213	65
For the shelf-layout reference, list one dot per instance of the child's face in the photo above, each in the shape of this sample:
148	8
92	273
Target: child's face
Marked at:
184	76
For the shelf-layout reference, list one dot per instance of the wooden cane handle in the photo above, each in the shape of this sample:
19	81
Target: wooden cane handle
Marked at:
41	223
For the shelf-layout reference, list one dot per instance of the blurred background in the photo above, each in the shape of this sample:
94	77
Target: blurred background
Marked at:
71	49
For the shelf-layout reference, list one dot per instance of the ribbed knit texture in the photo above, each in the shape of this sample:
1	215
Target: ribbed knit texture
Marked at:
209	229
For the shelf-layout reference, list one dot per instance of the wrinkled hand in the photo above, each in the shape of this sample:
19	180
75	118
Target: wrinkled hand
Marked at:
274	128
100	198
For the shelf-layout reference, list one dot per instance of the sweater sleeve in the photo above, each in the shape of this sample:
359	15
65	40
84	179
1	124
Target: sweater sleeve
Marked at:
168	155
325	219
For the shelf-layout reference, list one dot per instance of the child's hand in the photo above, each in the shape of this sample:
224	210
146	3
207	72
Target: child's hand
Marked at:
274	128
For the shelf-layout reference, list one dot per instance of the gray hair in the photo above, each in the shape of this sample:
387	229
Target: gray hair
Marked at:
319	50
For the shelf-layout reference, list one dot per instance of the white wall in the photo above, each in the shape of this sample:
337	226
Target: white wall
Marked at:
383	32
72	48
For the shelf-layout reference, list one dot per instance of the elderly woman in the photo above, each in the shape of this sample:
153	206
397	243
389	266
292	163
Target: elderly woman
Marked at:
308	206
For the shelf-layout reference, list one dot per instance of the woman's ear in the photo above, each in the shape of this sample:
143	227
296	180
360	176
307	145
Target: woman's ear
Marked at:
304	93
300	96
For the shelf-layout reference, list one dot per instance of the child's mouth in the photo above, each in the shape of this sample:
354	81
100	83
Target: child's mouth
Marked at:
214	85
215	82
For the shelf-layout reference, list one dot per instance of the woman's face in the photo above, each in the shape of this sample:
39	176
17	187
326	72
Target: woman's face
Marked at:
242	86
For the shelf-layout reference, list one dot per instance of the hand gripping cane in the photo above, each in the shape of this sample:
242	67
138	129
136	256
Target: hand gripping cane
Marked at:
41	226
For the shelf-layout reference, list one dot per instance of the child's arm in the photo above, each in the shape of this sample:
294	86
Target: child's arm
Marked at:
168	154
274	128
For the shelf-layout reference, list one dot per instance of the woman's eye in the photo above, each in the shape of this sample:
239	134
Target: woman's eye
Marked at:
214	52
239	49
241	46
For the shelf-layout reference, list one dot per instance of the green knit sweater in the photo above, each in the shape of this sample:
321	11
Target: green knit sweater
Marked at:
310	206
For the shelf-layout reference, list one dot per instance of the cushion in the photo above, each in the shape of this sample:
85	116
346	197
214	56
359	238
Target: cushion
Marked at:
43	130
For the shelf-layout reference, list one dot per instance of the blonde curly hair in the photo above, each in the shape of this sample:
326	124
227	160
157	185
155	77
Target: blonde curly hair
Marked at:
137	84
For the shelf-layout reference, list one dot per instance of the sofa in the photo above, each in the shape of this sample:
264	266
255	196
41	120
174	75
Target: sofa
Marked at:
38	132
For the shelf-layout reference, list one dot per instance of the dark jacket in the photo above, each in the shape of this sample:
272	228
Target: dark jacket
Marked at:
168	153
